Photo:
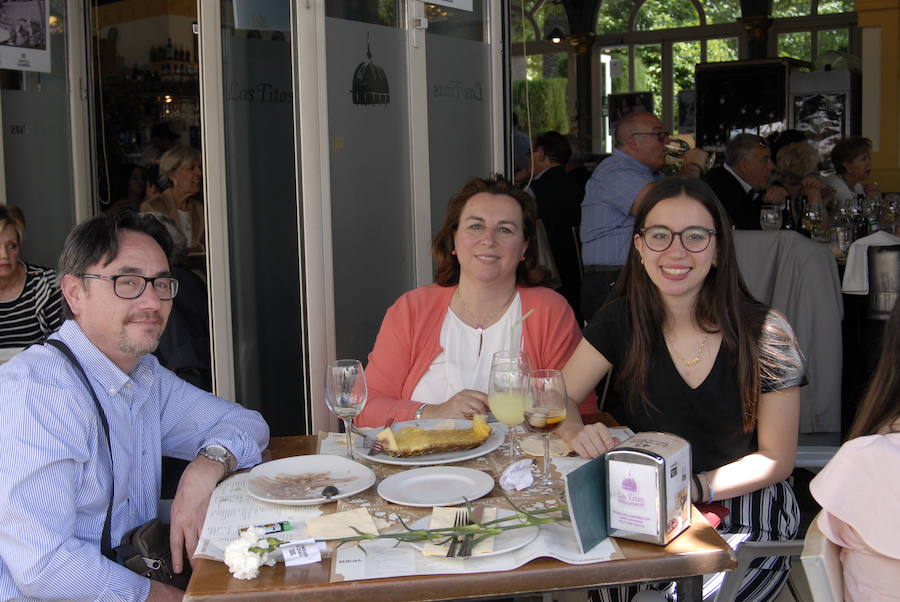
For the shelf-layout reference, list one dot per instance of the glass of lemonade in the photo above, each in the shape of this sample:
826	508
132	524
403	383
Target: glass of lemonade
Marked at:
545	409
508	391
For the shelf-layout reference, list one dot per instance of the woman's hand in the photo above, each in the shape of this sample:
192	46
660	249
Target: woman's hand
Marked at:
775	194
871	189
590	441
464	404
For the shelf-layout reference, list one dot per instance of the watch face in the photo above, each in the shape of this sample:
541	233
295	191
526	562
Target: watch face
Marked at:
216	451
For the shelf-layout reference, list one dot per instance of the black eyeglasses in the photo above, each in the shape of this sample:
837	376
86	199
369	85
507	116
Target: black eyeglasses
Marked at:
661	135
131	286
694	238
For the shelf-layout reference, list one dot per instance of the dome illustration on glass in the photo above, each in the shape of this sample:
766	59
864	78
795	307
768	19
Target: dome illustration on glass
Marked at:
370	83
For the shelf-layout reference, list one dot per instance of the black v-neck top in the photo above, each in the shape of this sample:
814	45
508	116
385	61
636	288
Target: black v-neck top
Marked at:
709	416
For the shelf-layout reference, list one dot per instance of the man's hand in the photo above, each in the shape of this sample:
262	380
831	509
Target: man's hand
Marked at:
693	164
160	592
464	404
189	507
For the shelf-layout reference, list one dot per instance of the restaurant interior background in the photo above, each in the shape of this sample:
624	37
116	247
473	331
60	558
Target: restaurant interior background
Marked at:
333	132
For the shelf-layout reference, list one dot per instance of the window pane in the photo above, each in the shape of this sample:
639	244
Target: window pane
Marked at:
684	56
723	49
380	12
835	6
833	39
722	11
618	69
614	15
521	30
546	96
791	8
467	24
648	71
796	45
661	14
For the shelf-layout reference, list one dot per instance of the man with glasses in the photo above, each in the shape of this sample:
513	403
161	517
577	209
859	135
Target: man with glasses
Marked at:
612	196
748	166
55	473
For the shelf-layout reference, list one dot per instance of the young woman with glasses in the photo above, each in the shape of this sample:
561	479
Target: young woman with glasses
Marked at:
696	355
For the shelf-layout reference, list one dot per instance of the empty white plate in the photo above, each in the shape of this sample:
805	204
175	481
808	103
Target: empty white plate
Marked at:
435	486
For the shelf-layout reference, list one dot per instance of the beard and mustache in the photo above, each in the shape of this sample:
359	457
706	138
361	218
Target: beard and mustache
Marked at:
146	343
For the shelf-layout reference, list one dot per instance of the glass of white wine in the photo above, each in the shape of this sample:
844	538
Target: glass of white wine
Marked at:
346	393
545	409
508	391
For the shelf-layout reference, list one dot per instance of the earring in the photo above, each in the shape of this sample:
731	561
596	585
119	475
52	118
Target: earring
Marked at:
453	251
522	258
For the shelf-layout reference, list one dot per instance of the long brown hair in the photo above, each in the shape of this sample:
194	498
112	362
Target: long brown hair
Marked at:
880	406
724	305
528	272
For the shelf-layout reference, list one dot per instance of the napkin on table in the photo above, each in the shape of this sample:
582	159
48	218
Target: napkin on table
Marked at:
443	517
340	524
517	476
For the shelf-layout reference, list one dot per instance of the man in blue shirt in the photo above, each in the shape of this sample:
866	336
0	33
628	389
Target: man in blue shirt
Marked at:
612	196
55	473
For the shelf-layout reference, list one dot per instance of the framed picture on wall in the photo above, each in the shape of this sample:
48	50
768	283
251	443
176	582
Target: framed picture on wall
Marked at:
621	105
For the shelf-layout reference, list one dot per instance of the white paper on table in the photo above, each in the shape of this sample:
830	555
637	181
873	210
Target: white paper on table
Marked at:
385	560
231	509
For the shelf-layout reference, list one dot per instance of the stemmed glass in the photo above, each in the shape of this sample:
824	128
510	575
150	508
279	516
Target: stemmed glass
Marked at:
508	391
770	217
546	409
346	392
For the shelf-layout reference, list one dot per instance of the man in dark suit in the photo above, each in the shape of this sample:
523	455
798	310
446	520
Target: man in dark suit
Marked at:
558	199
737	183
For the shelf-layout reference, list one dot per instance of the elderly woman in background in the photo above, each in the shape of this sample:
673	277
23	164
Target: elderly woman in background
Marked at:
859	490
853	162
30	301
180	167
696	355
432	357
797	172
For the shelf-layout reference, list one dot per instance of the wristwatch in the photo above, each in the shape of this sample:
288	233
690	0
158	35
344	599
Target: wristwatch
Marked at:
220	454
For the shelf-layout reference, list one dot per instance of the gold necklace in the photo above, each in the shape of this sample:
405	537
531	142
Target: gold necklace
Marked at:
696	359
480	323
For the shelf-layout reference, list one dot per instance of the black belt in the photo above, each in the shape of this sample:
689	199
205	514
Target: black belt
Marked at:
590	269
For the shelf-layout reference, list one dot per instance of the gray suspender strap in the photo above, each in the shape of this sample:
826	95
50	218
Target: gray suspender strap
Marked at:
106	537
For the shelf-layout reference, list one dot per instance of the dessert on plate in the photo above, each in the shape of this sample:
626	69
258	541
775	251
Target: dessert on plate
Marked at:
416	441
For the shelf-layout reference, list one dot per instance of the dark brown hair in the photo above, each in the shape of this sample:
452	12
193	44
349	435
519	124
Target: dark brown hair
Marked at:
724	305
847	150
880	406
528	272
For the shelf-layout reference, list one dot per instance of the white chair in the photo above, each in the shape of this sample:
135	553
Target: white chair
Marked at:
821	559
746	553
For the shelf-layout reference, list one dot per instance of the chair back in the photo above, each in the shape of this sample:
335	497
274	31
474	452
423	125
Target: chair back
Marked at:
884	280
821	560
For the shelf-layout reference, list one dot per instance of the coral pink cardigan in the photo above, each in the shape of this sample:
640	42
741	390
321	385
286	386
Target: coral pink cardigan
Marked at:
409	341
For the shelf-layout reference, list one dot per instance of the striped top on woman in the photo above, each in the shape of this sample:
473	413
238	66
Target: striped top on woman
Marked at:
36	313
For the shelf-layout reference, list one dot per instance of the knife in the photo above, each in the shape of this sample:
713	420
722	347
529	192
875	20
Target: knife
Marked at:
467	544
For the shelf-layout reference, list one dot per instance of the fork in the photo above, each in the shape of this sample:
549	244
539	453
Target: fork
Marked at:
462	518
377	448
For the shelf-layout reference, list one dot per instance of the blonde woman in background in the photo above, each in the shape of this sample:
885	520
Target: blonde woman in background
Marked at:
797	172
181	169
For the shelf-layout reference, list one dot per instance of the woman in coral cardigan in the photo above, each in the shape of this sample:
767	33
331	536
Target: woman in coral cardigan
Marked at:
432	357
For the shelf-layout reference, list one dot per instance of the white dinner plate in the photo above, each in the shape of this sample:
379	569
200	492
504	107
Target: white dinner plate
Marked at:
508	541
436	486
348	476
498	434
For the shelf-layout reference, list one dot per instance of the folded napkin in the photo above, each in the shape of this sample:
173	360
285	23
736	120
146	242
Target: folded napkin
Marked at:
340	524
517	476
856	274
443	517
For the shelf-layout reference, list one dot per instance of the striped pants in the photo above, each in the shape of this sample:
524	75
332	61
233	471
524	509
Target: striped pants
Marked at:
768	514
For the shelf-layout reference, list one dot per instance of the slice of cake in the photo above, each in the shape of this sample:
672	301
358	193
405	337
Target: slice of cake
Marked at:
416	441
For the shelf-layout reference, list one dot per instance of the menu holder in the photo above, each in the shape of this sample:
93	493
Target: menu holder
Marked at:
587	497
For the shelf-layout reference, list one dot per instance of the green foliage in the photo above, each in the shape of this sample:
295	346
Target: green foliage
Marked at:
722	11
663	14
614	15
827	7
791	8
722	49
797	44
547	99
834	39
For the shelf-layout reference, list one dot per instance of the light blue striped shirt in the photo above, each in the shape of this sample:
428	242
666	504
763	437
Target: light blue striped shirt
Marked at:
605	220
54	463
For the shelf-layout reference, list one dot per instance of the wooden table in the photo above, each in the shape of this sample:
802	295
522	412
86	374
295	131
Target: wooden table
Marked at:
698	551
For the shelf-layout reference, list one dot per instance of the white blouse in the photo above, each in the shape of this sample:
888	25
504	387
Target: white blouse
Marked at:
465	362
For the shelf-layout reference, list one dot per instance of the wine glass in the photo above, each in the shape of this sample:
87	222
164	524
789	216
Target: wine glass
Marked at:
770	217
508	391
545	409
346	392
